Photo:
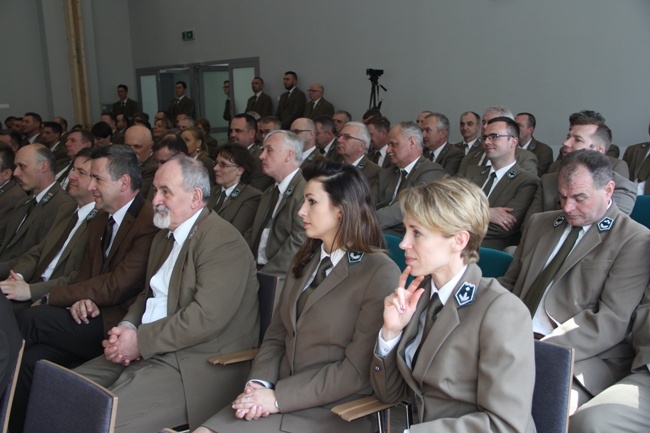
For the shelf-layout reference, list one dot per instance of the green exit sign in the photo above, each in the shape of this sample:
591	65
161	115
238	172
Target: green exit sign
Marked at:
188	35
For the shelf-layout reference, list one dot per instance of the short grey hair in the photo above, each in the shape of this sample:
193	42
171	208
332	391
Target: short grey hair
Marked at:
443	121
500	110
363	133
411	129
195	175
291	140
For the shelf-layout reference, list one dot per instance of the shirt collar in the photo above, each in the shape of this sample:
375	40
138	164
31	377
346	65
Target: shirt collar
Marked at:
445	291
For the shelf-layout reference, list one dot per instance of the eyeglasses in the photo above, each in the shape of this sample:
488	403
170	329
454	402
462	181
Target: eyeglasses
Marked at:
162	161
346	137
222	164
298	131
494	137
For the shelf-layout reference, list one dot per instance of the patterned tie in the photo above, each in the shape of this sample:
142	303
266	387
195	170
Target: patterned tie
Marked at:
537	289
488	185
321	273
108	236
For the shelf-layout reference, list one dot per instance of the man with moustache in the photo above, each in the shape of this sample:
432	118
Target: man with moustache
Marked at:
199	298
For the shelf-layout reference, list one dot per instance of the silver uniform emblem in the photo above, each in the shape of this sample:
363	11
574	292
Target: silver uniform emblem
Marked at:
354	257
605	224
559	220
465	294
512	174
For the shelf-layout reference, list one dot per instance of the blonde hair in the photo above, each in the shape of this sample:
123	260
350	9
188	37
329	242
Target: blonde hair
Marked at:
448	206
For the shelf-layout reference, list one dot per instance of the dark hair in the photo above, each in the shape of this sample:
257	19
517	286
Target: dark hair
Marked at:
9	119
6	157
111	115
14	137
86	153
123	86
63	121
182	83
251	123
511	125
101	130
203	123
55	127
36	116
295	76
238	155
86	135
532	122
121	160
347	188
259	78
172	142
380	123
474	113
598	164
326	123
603	135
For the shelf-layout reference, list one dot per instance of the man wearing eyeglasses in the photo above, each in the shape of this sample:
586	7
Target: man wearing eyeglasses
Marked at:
305	128
352	144
508	187
318	105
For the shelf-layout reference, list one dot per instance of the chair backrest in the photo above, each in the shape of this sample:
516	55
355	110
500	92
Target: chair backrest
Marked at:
493	263
64	401
394	251
641	211
553	379
7	396
266	298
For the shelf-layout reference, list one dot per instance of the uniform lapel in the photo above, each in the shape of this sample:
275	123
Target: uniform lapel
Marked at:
300	284
336	276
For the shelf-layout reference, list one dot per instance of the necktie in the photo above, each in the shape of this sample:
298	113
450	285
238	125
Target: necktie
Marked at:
30	208
488	185
434	307
220	200
465	147
167	249
267	217
123	104
108	235
321	273
537	289
400	184
376	156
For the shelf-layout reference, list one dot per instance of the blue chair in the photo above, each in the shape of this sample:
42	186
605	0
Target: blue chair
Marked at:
553	379
7	394
394	251
493	263
64	401
641	211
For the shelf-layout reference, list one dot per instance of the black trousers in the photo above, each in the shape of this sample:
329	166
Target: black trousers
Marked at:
50	333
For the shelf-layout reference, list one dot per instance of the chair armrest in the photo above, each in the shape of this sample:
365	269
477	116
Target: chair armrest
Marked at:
233	358
356	409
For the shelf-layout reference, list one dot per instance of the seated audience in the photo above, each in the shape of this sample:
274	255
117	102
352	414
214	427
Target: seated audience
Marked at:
637	158
197	148
435	132
460	344
317	350
352	145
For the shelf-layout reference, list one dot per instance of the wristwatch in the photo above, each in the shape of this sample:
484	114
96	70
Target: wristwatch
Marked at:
44	299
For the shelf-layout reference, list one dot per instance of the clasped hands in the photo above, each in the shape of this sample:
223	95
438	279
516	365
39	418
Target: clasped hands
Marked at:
256	401
121	346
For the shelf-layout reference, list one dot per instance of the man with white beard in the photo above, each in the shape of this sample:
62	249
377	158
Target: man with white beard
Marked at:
199	298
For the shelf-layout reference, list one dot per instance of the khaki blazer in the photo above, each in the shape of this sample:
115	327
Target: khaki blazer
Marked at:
450	158
322	108
594	293
290	107
18	241
262	105
10	195
312	156
32	264
370	170
240	208
544	155
287	233
515	190
634	157
525	158
547	196
114	282
388	210
212	309
321	359
475	371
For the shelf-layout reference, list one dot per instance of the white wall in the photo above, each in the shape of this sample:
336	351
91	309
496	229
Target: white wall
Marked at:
549	57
